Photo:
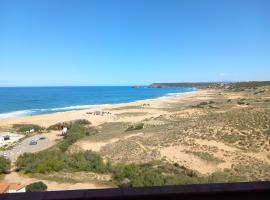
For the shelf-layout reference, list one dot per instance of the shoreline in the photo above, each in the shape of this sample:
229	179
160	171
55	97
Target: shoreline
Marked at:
52	118
46	111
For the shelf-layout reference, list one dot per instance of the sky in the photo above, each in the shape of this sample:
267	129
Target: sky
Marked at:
133	42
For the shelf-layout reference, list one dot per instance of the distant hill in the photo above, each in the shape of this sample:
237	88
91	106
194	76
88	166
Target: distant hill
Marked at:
197	85
212	85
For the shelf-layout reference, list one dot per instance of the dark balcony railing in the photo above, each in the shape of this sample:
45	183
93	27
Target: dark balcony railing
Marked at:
222	191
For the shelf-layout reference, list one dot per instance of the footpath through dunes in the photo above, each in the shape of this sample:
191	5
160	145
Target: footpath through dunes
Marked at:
15	177
96	146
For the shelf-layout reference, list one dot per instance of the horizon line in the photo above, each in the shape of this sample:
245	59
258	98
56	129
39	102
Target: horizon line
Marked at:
129	85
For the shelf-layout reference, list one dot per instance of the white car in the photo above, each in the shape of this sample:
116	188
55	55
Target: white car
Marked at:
4	154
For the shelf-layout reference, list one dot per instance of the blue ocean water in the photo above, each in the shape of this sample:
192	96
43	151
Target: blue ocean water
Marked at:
26	101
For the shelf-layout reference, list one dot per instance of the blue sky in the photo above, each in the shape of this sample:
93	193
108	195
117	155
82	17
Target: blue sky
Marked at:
130	42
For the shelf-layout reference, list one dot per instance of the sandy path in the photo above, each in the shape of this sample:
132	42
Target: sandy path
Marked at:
176	154
96	146
219	145
14	177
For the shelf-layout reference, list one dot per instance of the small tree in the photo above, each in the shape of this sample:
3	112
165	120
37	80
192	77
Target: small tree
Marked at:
5	165
36	187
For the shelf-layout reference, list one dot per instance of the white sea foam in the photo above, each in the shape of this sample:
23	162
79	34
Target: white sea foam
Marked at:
180	93
168	95
78	107
23	113
20	113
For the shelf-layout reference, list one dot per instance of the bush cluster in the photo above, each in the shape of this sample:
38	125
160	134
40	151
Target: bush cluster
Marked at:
86	161
5	165
204	104
76	132
36	187
41	162
123	175
54	161
135	127
69	124
27	127
137	176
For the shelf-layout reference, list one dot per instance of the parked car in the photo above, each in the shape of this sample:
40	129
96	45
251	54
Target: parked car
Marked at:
42	138
33	142
4	154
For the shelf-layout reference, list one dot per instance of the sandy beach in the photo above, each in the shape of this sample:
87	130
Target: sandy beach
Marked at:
50	119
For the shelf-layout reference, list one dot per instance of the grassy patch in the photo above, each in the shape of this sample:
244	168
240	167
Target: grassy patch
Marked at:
243	102
2	176
131	114
126	107
27	127
69	124
75	133
204	104
107	131
206	156
135	127
225	176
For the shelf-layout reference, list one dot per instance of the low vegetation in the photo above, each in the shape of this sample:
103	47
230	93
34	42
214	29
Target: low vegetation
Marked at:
135	127
36	187
133	175
5	165
27	127
41	162
77	129
69	124
248	85
123	175
204	104
206	156
242	102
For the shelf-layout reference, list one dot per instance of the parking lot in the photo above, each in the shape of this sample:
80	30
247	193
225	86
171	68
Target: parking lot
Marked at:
49	139
7	138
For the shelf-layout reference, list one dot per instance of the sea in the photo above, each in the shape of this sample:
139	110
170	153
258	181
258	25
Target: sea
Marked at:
27	101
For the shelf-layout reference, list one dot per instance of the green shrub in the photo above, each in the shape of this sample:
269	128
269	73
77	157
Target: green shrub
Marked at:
206	156
5	165
63	146
40	161
36	187
224	177
27	127
135	127
50	166
75	133
69	124
153	178
76	130
203	104
86	161
240	102
137	175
